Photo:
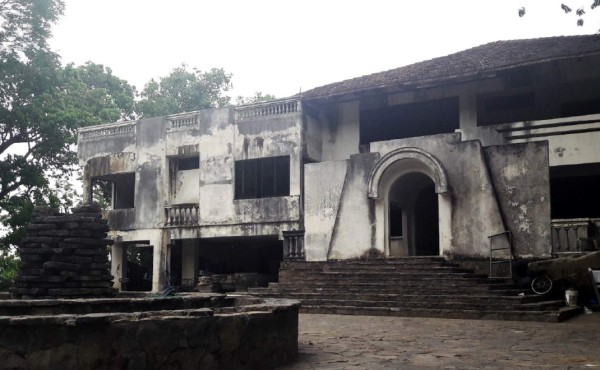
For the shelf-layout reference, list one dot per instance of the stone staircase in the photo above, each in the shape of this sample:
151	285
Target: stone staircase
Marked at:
411	286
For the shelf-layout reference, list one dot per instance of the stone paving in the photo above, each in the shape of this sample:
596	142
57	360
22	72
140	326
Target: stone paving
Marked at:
371	342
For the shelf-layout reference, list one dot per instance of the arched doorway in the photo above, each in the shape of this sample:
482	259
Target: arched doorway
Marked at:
413	208
413	216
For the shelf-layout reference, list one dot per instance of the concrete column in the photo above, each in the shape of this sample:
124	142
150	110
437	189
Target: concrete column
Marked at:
468	111
189	263
160	241
118	264
445	223
87	186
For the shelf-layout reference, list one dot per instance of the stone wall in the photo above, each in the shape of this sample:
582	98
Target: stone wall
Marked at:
249	335
64	255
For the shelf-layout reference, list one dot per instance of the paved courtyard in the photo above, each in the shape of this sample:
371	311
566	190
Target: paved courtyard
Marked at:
369	342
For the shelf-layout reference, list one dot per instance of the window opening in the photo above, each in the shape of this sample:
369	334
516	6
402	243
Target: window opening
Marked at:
262	177
409	120
114	191
184	164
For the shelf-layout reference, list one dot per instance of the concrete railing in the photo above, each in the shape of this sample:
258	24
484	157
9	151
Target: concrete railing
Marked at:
107	130
540	130
181	215
569	235
293	244
270	108
182	120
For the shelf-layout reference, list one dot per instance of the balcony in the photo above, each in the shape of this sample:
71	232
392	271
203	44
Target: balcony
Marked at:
270	108
180	215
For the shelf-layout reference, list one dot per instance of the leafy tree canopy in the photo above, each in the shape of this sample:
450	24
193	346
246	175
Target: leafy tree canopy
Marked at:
41	107
185	90
256	98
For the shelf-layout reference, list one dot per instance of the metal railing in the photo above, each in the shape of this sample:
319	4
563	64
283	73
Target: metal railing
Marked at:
494	261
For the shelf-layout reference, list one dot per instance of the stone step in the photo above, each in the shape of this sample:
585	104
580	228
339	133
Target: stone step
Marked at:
375	285
407	289
427	286
491	304
421	298
391	276
513	315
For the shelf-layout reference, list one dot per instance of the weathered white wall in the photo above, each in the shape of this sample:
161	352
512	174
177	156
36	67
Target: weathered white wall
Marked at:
522	181
187	184
321	205
475	210
341	133
339	217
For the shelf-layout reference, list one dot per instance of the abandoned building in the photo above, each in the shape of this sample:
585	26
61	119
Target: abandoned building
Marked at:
494	145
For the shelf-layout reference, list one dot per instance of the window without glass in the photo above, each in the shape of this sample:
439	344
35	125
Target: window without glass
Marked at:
262	178
184	164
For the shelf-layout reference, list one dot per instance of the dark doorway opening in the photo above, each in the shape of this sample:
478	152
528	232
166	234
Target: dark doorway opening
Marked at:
241	261
413	222
175	263
139	267
427	241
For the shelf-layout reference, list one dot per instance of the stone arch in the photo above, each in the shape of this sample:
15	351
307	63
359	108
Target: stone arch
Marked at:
428	164
400	164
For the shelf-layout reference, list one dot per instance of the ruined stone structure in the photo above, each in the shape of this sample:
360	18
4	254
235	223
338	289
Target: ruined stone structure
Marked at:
492	145
65	256
183	332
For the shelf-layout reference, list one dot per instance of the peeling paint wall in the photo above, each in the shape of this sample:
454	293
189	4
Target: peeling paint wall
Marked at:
218	138
475	211
321	205
521	179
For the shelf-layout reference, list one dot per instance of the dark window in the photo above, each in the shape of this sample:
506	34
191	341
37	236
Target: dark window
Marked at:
409	120
580	108
263	177
192	163
509	102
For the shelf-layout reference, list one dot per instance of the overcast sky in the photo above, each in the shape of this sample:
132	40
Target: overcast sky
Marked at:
281	46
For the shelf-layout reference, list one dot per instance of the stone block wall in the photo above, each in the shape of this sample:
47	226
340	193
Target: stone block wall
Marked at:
257	335
65	256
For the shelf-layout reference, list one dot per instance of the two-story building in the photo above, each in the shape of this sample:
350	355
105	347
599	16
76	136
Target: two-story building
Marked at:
432	158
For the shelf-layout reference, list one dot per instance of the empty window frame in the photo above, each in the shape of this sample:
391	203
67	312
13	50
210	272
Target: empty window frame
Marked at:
117	191
262	177
190	163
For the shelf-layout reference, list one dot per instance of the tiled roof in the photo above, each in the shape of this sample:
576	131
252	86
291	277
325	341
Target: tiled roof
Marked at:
479	60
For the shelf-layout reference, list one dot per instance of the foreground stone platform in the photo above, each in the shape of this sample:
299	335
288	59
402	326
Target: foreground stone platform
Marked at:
336	342
177	332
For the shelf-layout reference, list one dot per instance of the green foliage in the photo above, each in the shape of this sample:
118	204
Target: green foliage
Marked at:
41	107
184	90
580	12
258	97
8	270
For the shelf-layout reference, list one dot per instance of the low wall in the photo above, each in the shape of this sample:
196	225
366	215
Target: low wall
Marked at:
249	334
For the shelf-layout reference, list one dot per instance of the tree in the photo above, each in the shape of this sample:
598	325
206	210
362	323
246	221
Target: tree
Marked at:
37	139
185	90
580	12
258	97
41	107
